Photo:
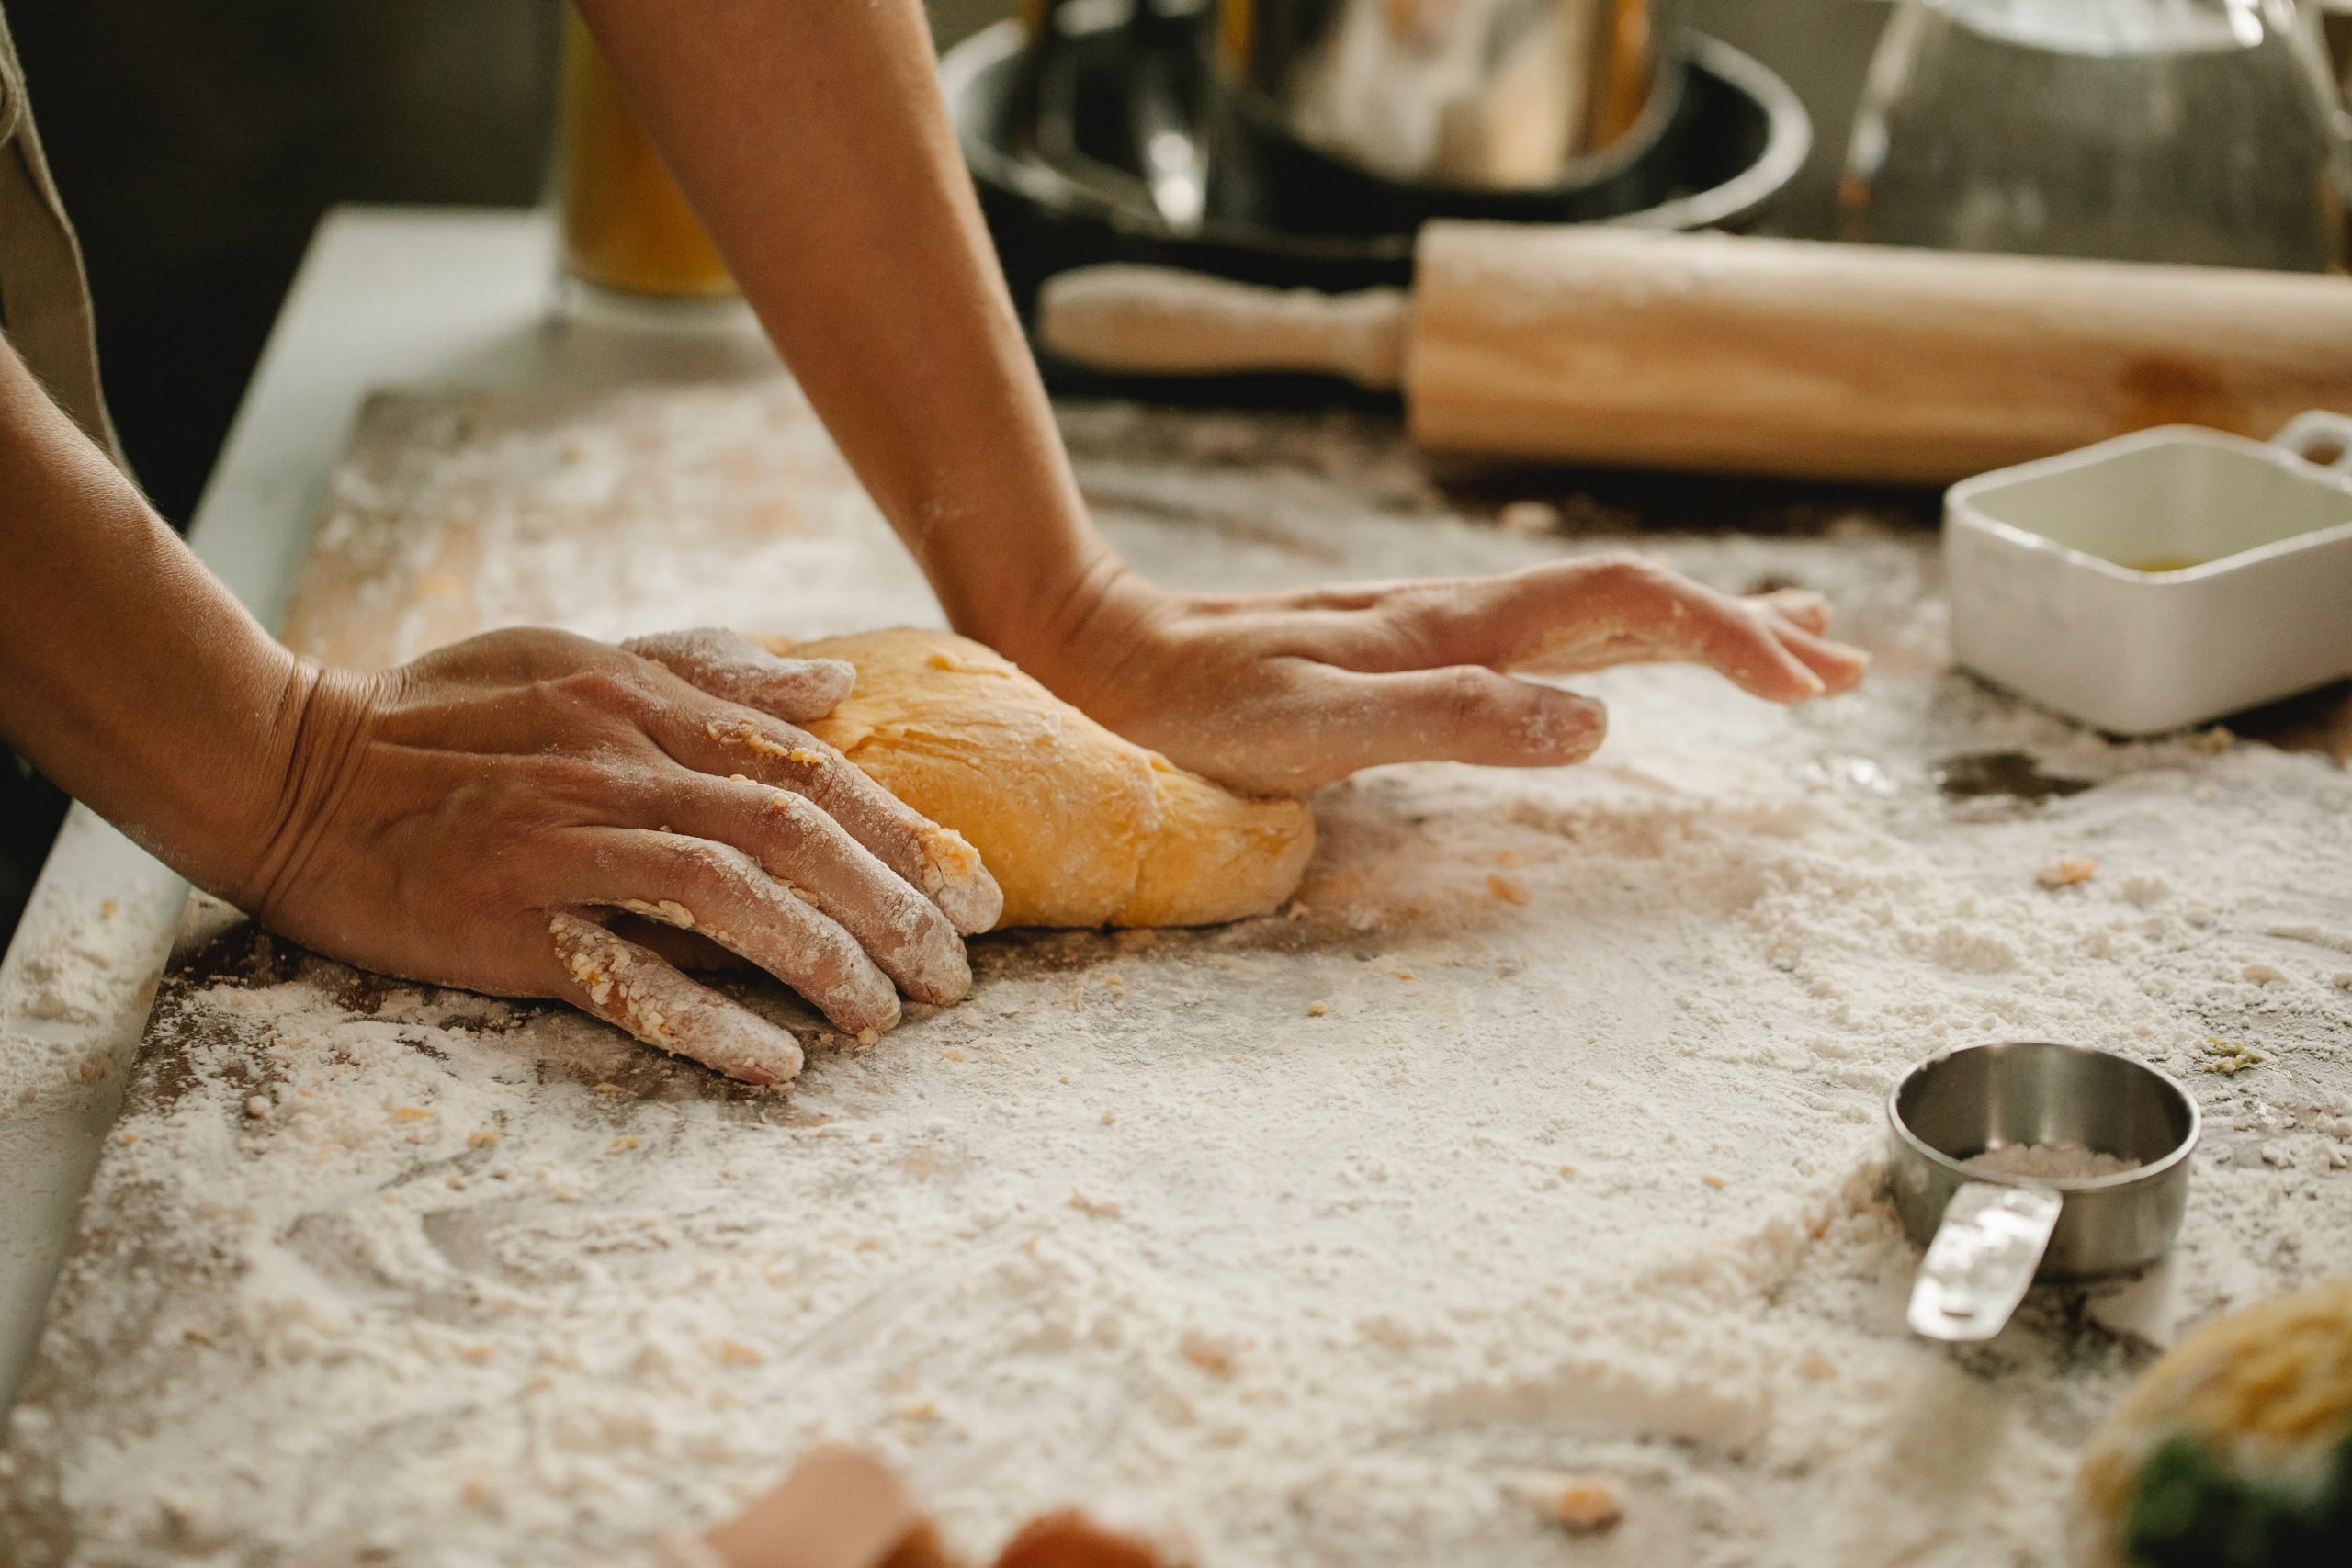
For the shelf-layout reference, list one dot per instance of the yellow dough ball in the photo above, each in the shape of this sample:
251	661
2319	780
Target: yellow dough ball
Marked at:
1079	826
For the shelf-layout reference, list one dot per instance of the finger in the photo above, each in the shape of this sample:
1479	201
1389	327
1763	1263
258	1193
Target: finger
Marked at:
934	858
1461	714
1737	643
1072	1540
734	669
1578	615
721	892
797	844
630	988
1620	612
1841	667
1801	607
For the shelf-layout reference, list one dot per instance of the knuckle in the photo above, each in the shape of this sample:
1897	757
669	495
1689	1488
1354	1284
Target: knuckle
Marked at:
1624	570
794	814
607	687
704	870
1468	697
578	779
536	652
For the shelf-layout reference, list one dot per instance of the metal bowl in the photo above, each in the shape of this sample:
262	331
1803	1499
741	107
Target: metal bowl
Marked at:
1972	1099
1741	136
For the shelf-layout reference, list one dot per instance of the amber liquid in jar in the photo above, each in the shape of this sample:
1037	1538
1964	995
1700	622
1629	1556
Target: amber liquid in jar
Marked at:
627	226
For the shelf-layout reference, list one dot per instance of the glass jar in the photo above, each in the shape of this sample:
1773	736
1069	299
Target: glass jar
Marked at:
2169	130
625	226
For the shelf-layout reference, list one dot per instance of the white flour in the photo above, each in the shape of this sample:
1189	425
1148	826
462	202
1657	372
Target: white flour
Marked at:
1542	1142
2050	1162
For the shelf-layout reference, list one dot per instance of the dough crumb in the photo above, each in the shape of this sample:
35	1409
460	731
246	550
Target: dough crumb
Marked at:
2263	974
2066	871
1213	1356
258	1107
1315	1009
1529	518
1101	1208
2231	1057
1506	890
1581	1505
1110	1117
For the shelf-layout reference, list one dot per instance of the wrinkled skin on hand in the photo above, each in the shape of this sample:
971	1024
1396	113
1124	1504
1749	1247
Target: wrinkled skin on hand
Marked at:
480	817
1282	692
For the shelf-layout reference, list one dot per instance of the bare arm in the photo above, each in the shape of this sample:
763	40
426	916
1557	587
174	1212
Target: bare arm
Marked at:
811	137
127	673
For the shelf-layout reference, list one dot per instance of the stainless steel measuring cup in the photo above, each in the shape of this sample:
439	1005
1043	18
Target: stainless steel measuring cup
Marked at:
1990	1235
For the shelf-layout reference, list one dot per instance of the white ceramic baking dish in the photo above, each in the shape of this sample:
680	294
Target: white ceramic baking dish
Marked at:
2162	579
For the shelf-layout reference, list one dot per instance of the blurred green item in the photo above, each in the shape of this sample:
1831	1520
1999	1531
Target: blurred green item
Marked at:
2234	1450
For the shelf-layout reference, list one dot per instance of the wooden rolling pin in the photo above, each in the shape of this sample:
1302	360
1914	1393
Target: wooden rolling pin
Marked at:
1715	351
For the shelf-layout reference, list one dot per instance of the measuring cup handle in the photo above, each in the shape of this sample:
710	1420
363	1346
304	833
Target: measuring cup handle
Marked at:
2319	437
1982	1257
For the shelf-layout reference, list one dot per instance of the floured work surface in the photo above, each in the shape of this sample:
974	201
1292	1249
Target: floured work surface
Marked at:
1539	1142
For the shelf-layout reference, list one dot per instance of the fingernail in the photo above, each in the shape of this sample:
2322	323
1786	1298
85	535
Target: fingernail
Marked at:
1566	722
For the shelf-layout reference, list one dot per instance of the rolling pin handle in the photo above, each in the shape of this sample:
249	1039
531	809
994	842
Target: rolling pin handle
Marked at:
1150	321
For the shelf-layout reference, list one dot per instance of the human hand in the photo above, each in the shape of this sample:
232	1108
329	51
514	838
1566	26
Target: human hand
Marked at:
472	818
1281	693
839	1509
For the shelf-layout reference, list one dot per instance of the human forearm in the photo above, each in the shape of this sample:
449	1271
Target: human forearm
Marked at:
128	673
811	138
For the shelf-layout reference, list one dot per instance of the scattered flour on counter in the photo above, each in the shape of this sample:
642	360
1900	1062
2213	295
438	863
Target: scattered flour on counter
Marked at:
75	989
1539	1141
2050	1162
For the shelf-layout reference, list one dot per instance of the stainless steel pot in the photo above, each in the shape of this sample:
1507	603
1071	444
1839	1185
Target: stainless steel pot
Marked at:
1482	94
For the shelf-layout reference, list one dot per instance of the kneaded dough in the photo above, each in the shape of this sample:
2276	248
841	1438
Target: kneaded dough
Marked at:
1079	826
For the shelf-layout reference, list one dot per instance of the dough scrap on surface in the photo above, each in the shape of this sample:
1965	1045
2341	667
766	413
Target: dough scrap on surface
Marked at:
1080	827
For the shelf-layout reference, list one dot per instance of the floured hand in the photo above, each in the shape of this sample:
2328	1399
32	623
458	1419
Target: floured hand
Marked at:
477	817
1281	693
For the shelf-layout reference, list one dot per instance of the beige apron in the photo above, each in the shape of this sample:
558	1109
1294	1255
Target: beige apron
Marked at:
44	303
